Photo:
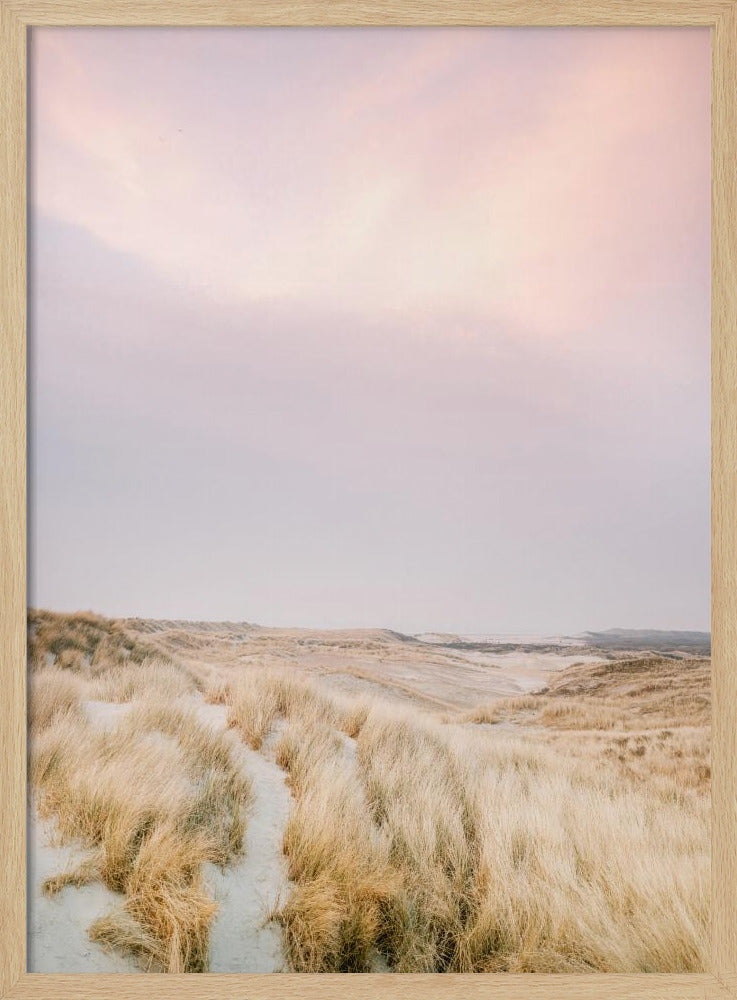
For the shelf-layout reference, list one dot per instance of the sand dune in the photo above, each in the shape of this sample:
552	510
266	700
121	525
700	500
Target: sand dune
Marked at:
231	798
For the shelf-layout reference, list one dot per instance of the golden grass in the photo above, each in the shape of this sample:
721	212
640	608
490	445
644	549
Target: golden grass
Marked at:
498	711
578	870
561	713
167	901
418	798
345	885
152	678
52	693
353	715
84	641
488	853
650	689
258	696
582	715
88	870
646	716
575	837
153	798
157	796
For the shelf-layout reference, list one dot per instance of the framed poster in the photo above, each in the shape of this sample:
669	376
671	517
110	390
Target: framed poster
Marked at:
379	390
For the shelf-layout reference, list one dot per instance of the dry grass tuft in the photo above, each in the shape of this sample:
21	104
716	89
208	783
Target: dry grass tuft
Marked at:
165	896
52	693
155	797
88	870
256	698
217	690
353	717
420	801
121	932
576	714
499	711
345	884
129	681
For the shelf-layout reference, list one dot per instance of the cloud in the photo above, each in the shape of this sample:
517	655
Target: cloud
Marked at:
319	317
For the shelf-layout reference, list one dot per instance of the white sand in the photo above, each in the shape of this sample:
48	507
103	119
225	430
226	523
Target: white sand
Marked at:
242	939
57	926
106	714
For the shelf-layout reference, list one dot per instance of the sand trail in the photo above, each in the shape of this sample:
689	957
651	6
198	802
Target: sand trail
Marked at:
242	938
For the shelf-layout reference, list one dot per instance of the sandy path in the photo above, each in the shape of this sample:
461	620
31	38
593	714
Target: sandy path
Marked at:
241	938
57	926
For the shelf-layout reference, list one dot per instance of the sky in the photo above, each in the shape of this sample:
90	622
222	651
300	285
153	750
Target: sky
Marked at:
371	327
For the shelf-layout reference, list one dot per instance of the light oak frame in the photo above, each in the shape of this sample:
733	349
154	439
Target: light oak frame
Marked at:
16	16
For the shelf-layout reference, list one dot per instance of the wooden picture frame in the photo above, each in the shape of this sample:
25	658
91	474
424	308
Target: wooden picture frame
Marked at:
16	17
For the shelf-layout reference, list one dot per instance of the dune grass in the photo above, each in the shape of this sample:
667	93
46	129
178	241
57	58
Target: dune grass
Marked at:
485	854
53	693
484	857
648	717
155	798
152	798
574	838
153	677
259	696
345	884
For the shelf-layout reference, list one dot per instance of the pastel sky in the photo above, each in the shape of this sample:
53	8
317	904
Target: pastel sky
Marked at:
371	327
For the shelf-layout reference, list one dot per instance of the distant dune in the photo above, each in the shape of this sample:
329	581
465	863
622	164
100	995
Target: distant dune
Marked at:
654	639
